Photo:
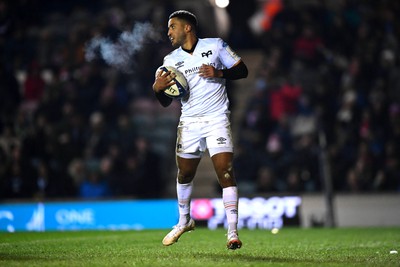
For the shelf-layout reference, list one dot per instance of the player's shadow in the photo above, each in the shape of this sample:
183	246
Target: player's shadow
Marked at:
235	257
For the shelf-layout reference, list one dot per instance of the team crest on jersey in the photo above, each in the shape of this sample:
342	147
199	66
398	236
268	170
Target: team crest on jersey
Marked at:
206	54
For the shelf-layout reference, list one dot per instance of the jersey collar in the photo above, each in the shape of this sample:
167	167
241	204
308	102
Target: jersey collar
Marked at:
193	47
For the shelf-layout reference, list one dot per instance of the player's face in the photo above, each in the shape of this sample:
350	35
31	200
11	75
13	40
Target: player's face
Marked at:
176	32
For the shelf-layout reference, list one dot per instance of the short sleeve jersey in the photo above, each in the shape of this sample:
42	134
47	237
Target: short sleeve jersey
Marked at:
207	96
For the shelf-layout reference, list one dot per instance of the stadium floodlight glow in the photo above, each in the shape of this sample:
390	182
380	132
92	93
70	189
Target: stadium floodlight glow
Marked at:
222	3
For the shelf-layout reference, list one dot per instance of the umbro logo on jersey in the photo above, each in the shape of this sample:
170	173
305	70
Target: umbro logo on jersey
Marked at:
206	54
180	63
221	140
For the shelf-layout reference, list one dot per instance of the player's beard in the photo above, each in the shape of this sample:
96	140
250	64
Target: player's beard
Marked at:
178	40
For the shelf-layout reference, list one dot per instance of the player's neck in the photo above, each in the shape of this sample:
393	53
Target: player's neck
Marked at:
190	45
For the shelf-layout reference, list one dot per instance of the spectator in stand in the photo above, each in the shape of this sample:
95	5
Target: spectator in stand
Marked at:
266	181
94	185
123	135
108	105
307	47
19	177
34	87
149	181
305	160
10	96
99	137
361	174
126	184
284	100
8	140
387	177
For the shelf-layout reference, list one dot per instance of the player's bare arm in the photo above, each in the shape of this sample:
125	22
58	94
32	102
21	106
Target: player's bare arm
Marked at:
162	82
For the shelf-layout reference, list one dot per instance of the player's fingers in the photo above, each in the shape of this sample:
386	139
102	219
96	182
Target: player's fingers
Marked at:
159	73
169	75
165	74
205	73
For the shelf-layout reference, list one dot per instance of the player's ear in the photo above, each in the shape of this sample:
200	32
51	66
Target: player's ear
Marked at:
188	28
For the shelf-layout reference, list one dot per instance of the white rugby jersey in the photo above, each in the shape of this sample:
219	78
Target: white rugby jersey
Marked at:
207	96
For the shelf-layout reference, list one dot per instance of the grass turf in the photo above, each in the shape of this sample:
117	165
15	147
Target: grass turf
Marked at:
203	247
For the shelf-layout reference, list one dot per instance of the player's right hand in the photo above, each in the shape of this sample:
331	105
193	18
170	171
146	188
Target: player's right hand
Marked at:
163	80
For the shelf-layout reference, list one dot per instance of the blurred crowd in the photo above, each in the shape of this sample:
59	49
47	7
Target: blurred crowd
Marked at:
73	128
326	100
326	95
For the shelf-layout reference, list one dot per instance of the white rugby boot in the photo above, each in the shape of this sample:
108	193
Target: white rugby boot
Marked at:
233	240
178	230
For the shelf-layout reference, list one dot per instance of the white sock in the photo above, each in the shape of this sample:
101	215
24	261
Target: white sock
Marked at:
184	193
230	200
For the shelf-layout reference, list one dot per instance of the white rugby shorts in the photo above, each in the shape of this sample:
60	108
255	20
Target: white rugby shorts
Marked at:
196	135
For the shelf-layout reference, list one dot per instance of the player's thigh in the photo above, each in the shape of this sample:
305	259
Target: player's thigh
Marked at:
219	136
189	139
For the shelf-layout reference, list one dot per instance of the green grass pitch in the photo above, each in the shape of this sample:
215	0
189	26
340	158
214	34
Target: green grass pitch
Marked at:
203	247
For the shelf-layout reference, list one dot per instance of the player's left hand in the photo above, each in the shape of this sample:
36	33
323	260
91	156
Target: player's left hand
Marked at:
208	71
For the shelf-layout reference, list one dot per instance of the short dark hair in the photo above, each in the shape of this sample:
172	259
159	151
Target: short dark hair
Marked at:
186	16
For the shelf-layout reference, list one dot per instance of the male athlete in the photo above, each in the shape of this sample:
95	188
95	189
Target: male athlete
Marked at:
204	122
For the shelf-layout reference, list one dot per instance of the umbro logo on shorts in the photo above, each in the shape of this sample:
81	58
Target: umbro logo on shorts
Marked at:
221	140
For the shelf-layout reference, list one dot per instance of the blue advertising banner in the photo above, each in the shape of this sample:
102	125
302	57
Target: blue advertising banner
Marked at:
96	215
258	212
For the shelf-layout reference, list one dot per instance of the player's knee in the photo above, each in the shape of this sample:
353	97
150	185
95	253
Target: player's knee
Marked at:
227	175
226	178
224	171
185	177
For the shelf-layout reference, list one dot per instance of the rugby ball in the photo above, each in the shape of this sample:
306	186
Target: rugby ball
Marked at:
180	88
